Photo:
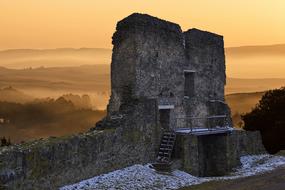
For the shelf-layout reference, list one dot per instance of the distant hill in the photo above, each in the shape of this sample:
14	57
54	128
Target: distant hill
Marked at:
96	78
241	103
242	62
256	61
277	50
68	79
235	85
10	94
41	119
83	101
53	82
26	58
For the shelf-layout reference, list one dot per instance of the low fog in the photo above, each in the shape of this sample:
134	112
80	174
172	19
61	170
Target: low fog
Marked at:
67	90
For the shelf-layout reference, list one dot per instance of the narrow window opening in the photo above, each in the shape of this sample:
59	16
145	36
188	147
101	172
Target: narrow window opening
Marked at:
189	84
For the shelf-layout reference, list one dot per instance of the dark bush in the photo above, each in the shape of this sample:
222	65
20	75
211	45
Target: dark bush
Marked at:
268	117
5	142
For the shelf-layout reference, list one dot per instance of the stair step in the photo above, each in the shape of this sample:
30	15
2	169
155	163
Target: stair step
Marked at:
167	149
168	145
163	153
162	159
167	142
168	138
162	166
168	133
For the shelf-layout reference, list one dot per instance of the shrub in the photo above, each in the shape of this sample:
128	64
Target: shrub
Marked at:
268	117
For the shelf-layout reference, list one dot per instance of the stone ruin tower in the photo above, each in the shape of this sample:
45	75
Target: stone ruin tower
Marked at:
184	72
168	87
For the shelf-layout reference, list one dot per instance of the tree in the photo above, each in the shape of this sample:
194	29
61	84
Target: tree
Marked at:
5	142
268	117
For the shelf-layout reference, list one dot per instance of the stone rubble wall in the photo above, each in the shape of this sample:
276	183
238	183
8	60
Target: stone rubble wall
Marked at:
51	163
148	60
206	57
150	56
216	155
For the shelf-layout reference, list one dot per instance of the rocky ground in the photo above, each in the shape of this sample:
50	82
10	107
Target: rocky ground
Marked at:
143	177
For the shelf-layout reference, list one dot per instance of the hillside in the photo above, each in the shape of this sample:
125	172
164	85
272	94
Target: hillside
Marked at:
45	118
84	78
238	85
27	58
256	61
242	62
55	81
10	94
277	49
241	103
97	78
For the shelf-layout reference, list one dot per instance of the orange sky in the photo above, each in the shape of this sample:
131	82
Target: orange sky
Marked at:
91	23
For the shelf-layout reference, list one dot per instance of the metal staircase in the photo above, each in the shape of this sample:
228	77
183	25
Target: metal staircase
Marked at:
163	160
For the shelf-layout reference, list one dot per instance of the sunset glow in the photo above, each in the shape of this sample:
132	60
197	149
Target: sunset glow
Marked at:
91	23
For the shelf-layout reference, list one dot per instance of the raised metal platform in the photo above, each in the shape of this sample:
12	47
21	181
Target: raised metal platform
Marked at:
204	131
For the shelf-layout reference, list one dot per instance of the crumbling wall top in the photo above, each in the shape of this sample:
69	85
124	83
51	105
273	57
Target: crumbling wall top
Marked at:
137	20
196	37
143	23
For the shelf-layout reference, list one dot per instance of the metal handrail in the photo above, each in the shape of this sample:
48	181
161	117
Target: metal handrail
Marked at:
207	118
220	101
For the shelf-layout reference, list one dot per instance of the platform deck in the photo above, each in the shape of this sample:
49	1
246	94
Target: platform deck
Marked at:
204	131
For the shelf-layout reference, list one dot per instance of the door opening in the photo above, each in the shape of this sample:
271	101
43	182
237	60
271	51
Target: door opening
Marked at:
164	118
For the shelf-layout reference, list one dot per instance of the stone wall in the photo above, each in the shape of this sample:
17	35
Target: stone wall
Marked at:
50	163
150	50
216	155
150	58
206	58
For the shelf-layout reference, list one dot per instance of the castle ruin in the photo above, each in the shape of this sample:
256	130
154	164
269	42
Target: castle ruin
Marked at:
167	107
182	73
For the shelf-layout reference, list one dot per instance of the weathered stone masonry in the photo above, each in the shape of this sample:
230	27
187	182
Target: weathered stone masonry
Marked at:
151	58
51	163
155	67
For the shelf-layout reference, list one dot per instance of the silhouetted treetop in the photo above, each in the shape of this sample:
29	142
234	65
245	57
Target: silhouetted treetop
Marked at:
269	118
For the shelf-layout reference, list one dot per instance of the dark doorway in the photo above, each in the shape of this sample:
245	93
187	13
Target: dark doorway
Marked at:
164	118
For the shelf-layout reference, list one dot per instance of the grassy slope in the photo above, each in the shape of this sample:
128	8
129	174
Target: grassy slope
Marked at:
274	180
